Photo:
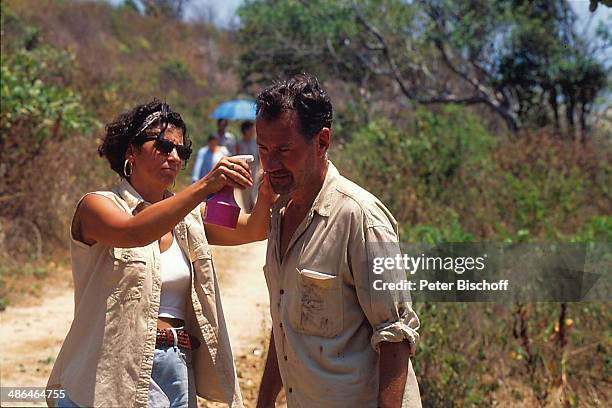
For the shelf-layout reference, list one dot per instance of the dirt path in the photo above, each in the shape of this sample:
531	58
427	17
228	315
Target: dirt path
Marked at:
26	357
244	293
37	333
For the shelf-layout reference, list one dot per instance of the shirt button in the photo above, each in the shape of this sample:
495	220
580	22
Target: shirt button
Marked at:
280	325
290	389
282	291
285	358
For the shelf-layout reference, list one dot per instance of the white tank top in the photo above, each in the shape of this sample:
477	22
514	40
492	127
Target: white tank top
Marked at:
176	282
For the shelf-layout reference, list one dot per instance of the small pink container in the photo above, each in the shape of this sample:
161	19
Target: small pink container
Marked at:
222	209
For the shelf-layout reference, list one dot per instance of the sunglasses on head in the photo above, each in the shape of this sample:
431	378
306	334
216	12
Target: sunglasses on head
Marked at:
165	146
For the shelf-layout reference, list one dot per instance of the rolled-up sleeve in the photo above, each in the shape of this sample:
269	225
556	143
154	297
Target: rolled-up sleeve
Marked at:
387	308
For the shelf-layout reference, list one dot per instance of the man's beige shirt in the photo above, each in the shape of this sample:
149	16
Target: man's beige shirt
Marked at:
328	320
107	356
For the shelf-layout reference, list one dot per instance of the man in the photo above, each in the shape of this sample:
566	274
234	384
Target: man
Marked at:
248	145
335	342
226	138
207	158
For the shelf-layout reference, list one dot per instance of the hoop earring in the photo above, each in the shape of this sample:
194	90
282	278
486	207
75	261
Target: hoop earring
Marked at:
125	168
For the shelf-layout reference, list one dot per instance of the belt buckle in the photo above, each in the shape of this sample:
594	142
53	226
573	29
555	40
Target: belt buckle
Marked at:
169	336
164	337
184	340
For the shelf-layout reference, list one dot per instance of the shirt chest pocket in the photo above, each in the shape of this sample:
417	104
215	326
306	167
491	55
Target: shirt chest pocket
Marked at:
127	278
317	308
204	269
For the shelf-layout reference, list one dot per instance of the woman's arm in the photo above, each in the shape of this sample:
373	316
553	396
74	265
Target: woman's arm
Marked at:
98	219
250	227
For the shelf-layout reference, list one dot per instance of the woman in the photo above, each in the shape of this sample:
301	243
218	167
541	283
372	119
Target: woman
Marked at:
148	328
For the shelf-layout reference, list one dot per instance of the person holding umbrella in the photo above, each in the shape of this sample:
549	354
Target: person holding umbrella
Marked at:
236	109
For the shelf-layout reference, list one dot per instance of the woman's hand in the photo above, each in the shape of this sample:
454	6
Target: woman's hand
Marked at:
228	172
251	227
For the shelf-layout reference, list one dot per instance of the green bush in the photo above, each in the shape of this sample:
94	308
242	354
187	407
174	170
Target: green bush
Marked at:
447	180
449	231
175	69
41	115
417	170
35	106
597	229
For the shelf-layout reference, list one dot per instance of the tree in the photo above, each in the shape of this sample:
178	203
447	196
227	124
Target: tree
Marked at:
550	66
474	52
594	3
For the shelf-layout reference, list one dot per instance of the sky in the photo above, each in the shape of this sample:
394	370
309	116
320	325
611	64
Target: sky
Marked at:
223	13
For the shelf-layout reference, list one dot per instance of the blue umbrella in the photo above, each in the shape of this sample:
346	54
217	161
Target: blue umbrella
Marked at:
237	109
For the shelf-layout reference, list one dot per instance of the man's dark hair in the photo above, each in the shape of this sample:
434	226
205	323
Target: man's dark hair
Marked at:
302	94
246	125
125	130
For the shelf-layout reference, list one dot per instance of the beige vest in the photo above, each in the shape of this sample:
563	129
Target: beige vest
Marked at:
107	356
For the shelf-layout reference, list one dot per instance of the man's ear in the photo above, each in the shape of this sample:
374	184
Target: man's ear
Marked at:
323	141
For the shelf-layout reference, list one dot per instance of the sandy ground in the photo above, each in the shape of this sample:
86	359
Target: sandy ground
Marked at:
41	327
243	292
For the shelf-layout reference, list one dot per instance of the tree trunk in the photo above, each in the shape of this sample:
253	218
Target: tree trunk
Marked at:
552	100
570	108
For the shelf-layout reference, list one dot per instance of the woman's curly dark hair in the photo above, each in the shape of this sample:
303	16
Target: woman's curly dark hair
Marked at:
124	131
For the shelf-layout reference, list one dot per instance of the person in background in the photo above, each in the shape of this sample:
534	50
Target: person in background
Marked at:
148	327
207	158
226	138
248	145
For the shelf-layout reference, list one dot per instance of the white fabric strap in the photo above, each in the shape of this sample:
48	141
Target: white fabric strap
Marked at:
150	119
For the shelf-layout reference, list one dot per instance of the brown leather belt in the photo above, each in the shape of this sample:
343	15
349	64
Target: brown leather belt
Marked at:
184	340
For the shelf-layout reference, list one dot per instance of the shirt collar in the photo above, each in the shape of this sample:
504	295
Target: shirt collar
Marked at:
326	197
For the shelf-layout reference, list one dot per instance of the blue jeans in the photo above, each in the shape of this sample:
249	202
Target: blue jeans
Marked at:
172	380
66	402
